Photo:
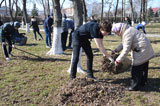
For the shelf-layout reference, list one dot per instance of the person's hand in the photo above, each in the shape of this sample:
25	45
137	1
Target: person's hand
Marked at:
116	63
111	60
14	46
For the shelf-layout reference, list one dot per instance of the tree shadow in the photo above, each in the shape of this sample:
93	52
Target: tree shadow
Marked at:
157	55
155	41
31	44
154	68
112	40
152	84
40	59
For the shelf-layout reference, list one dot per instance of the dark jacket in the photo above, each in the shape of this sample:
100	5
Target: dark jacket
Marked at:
70	24
7	30
65	25
48	23
90	30
34	24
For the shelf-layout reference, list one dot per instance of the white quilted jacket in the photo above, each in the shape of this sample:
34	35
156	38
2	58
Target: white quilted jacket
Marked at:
136	42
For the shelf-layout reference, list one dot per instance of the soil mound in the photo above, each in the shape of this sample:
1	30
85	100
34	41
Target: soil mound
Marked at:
87	92
111	68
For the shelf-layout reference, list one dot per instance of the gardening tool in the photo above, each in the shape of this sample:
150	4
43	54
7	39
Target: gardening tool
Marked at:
27	52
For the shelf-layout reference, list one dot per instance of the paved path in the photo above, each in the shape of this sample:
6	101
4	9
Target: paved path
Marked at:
153	35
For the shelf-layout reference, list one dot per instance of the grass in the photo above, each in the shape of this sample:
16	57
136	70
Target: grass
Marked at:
29	81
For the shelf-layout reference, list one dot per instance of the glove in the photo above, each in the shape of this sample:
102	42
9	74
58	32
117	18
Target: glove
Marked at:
13	46
111	59
116	63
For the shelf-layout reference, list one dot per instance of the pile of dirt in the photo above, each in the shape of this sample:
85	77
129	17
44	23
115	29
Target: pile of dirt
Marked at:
111	68
87	92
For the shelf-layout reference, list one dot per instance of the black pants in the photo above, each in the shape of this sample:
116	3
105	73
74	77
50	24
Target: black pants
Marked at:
70	39
79	42
35	36
139	75
64	39
4	48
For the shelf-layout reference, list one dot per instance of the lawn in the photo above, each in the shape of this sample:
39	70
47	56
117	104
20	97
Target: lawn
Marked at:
29	81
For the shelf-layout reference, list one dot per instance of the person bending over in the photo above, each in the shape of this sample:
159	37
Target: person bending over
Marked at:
80	38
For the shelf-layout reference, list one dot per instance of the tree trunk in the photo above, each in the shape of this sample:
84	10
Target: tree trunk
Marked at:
78	13
84	11
1	3
78	21
56	45
16	3
140	17
115	15
122	19
62	4
47	7
131	4
25	15
110	6
102	11
10	10
143	9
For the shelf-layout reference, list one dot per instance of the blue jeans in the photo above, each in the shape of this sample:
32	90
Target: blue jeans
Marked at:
79	42
48	37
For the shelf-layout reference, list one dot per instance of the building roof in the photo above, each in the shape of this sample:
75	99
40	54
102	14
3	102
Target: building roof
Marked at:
155	9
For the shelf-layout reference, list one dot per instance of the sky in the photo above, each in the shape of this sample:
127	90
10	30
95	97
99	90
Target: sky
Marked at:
154	3
67	3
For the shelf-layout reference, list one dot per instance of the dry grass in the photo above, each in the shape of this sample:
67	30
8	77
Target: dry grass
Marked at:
29	81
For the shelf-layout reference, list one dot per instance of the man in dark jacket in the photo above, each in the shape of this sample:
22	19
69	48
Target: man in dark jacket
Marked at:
65	32
7	32
48	30
35	27
80	38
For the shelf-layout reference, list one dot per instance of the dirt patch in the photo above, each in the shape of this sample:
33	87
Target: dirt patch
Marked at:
86	92
111	68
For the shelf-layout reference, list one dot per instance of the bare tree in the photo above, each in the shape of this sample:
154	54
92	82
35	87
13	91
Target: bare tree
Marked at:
44	8
115	15
56	45
144	10
25	15
62	4
47	7
1	3
11	4
84	11
102	10
16	4
131	4
110	3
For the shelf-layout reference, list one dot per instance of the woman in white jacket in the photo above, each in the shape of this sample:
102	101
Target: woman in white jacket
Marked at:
141	52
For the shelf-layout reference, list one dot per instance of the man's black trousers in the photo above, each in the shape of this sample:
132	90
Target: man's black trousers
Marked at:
78	42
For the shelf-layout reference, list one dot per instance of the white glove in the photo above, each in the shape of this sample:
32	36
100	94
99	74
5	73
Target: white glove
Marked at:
13	46
111	59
